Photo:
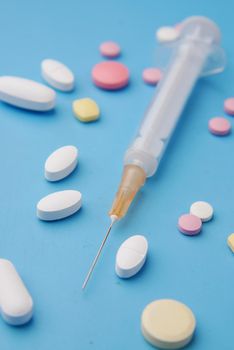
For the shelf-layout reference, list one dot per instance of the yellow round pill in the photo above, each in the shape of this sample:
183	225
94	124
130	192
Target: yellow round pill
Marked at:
168	324
86	109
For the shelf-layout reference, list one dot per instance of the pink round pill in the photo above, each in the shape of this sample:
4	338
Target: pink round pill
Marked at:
110	75
219	126
189	224
229	105
151	75
110	49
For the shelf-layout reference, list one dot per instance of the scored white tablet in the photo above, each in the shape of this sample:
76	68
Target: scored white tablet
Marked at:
57	75
131	256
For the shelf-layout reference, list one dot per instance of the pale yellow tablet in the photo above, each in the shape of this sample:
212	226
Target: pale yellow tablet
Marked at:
86	109
230	242
168	324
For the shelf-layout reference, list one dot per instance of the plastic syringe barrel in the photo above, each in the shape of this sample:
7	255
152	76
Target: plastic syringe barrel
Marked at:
198	37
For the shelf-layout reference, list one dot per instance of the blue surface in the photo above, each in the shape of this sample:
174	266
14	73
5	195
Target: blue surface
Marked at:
53	258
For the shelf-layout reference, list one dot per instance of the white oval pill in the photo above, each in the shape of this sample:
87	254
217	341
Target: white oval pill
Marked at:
57	75
168	324
59	205
203	210
61	163
16	304
131	256
25	93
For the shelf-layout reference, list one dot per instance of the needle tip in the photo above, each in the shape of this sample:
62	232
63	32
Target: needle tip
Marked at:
113	218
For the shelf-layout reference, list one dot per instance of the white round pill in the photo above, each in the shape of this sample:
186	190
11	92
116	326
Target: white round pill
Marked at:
131	256
203	210
168	324
167	34
61	163
57	75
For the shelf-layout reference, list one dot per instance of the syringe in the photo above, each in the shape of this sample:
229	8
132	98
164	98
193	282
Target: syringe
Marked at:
196	53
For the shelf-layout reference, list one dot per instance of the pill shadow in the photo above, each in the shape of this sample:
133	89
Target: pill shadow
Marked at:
29	113
145	271
115	91
68	219
21	328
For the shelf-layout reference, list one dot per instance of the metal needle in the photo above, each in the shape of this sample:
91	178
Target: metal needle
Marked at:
113	219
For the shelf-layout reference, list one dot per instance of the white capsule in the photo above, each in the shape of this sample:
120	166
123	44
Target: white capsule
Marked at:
25	93
16	304
131	256
57	75
59	205
61	163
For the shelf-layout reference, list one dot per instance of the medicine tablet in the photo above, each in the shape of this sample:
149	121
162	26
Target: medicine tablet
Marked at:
167	34
59	205
16	303
131	256
152	75
61	163
230	242
57	75
189	224
110	75
168	324
86	110
219	126
110	49
229	105
203	210
25	93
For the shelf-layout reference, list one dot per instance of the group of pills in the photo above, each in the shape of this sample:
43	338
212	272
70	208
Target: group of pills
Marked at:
191	224
59	205
221	126
165	323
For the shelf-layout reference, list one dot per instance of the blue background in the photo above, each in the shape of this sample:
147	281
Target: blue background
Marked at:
53	258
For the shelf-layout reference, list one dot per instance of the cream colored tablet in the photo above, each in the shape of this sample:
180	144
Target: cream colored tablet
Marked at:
167	324
167	34
203	210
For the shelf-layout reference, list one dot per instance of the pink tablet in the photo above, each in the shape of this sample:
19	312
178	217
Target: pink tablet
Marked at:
110	75
229	105
152	75
110	49
189	224
219	126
